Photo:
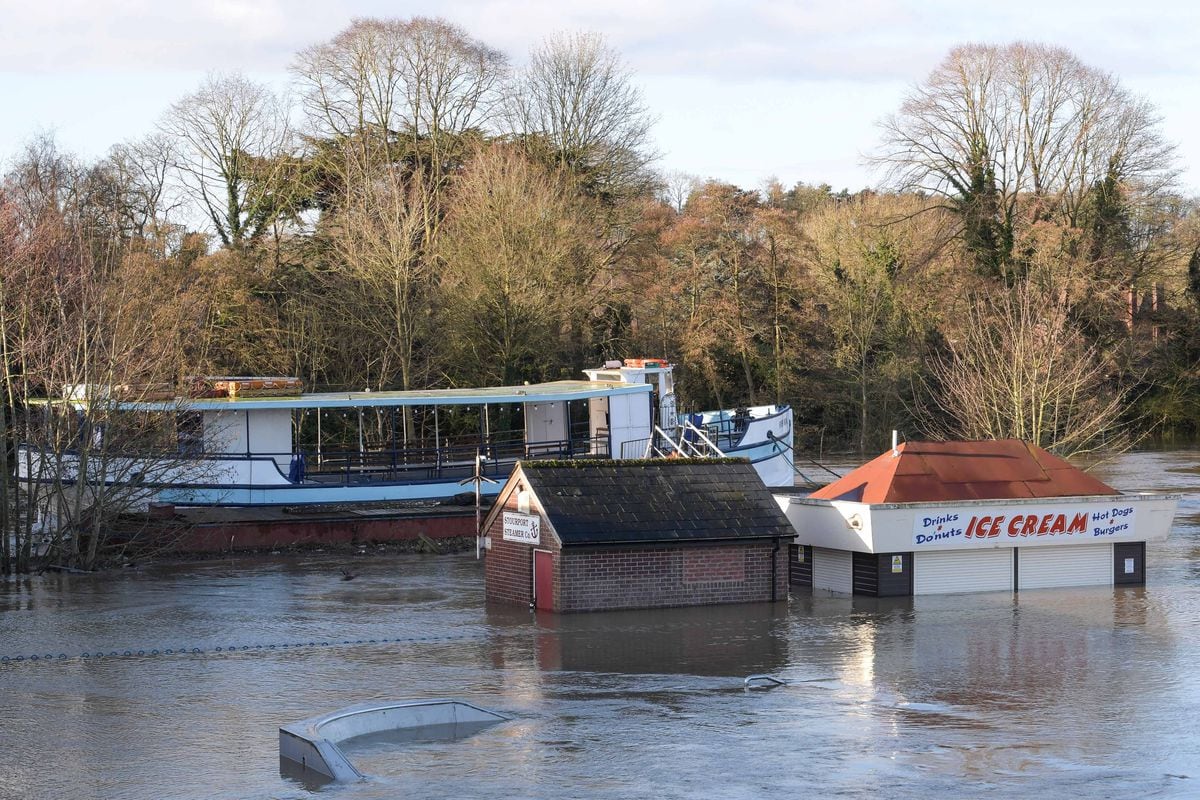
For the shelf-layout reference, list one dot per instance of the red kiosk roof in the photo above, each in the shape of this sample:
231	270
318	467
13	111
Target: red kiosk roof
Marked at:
930	472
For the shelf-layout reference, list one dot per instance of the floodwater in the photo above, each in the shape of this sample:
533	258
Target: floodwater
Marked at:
1057	693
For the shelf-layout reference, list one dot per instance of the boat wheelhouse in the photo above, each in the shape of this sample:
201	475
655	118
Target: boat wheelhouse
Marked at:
761	434
260	441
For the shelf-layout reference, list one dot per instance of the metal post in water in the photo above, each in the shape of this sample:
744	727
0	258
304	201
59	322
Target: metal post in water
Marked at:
478	521
478	479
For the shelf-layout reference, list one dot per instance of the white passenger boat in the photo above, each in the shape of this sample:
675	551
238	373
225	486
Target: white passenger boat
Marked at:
259	445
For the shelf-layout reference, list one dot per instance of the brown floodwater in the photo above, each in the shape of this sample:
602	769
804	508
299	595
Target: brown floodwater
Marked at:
1056	693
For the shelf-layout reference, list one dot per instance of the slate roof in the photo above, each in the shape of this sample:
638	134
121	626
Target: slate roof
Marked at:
664	500
926	472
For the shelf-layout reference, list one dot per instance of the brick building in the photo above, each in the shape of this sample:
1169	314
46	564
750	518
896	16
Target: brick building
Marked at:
597	535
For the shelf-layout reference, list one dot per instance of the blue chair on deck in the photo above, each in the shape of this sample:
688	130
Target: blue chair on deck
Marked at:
297	469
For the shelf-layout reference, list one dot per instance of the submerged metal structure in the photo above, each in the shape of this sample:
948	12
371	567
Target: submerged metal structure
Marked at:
312	744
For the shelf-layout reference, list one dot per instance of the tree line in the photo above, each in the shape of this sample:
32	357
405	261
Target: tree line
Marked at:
415	211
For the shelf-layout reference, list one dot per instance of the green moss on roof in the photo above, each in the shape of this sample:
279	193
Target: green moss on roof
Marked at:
655	500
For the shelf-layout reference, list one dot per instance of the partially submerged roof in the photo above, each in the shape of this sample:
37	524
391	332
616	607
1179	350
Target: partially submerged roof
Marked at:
926	472
662	500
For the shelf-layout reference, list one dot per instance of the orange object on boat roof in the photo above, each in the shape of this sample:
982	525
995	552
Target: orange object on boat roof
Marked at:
643	363
931	472
143	392
246	387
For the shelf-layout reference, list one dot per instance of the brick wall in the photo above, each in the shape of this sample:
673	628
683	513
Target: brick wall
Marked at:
654	576
634	576
508	566
508	572
215	537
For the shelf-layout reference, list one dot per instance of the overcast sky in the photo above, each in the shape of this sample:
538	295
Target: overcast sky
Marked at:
743	90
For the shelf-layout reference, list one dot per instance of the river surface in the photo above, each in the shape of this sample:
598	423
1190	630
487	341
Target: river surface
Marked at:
1057	693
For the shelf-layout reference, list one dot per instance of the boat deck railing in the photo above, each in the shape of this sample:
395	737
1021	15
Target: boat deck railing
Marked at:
449	462
728	427
383	465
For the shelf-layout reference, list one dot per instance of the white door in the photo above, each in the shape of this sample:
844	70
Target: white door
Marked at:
959	571
832	570
1065	565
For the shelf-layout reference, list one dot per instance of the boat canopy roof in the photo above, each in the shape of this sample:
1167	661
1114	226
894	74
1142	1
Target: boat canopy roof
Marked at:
489	395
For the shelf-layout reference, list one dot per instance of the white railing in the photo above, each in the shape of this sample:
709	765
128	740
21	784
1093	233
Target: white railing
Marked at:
712	452
691	443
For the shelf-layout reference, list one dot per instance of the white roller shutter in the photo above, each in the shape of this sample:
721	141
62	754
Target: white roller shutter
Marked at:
955	571
1066	565
832	570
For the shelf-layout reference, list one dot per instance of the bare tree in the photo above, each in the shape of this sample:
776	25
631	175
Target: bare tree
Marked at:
510	253
81	307
392	77
576	108
873	262
578	95
143	169
1000	129
1021	369
389	91
784	253
233	136
677	187
377	236
393	107
40	185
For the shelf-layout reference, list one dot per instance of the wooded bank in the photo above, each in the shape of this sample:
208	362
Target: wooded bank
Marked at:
421	213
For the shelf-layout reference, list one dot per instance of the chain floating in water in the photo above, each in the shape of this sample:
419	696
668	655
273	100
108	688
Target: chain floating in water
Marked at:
167	651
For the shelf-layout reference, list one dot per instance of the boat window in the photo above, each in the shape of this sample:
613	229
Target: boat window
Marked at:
189	432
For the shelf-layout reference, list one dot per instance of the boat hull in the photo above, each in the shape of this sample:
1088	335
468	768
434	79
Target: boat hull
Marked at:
315	494
135	484
761	434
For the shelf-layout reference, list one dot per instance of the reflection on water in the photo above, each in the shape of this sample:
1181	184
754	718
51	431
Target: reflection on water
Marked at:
718	640
1063	693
